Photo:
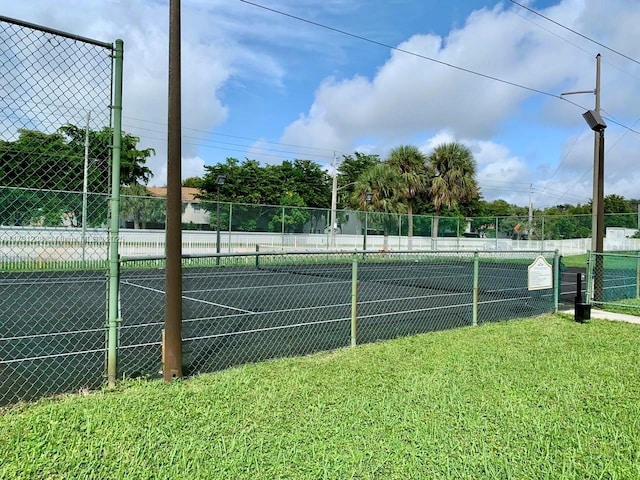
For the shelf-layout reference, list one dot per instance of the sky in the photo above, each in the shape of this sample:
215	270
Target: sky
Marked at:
266	86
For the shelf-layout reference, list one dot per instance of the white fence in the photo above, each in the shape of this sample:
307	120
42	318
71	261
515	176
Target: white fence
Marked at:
69	244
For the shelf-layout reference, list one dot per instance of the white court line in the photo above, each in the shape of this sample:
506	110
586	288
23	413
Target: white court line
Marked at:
219	305
155	290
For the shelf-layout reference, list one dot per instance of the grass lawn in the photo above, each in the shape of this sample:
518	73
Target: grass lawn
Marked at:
629	306
529	399
577	261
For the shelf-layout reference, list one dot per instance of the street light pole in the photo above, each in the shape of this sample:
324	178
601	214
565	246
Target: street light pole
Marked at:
334	201
596	124
219	182
596	149
367	198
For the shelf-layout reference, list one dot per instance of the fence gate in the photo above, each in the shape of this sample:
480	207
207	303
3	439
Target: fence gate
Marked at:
56	140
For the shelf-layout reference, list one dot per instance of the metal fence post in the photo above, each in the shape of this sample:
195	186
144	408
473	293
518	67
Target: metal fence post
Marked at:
638	271
476	270
230	216
354	302
589	292
282	228
114	230
556	280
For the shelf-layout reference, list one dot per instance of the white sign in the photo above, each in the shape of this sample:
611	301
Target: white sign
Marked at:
540	274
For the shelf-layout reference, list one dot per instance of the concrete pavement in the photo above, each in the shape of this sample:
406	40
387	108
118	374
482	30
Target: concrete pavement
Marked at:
602	314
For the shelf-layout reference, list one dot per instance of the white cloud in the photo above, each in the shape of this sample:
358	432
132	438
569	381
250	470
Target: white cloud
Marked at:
410	97
407	100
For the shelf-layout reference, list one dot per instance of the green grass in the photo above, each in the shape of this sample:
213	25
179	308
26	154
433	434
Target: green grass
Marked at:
628	306
530	399
575	261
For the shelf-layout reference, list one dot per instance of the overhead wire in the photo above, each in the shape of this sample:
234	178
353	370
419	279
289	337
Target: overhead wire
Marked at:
424	57
208	132
572	31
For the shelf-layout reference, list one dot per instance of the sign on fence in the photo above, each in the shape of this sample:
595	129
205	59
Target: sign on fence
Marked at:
540	274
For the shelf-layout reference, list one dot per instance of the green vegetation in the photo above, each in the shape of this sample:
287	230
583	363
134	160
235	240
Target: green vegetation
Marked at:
575	261
628	306
42	175
537	398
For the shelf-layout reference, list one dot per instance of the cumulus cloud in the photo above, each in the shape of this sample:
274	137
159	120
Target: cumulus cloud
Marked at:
406	99
410	97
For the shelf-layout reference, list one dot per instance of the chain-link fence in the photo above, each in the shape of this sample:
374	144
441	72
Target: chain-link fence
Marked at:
244	308
55	167
243	226
613	281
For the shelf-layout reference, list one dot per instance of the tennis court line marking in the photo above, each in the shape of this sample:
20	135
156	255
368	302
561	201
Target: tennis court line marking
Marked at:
218	305
156	290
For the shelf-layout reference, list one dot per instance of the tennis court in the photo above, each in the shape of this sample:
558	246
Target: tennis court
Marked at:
52	332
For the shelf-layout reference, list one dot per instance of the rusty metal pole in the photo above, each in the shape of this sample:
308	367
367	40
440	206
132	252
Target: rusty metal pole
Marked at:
598	288
172	361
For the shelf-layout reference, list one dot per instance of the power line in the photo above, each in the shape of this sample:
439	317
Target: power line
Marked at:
211	144
208	132
424	57
550	32
398	49
572	31
564	157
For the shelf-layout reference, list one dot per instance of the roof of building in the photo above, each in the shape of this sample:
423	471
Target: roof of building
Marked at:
188	193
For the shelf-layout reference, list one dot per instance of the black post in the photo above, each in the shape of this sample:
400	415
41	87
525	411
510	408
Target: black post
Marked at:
581	310
366	227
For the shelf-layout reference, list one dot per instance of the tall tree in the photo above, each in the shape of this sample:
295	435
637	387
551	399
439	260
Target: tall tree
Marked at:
410	164
385	186
452	173
53	165
350	168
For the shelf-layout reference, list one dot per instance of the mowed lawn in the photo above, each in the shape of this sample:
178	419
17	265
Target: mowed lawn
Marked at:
528	399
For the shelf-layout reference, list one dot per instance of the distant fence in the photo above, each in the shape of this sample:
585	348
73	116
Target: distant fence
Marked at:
249	308
35	247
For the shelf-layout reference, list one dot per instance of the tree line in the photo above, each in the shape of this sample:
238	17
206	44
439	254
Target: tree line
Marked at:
427	188
42	175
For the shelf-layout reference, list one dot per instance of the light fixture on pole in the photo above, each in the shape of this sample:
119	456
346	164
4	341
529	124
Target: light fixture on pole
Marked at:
219	182
596	149
367	198
595	122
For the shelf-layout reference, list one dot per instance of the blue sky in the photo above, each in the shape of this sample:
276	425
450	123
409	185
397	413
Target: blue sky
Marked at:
266	86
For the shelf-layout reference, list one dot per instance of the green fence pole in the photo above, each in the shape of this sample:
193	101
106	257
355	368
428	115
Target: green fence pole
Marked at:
114	230
476	270
638	270
230	217
354	302
556	280
282	228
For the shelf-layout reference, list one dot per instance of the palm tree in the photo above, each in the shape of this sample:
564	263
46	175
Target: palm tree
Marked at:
385	187
410	162
452	170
